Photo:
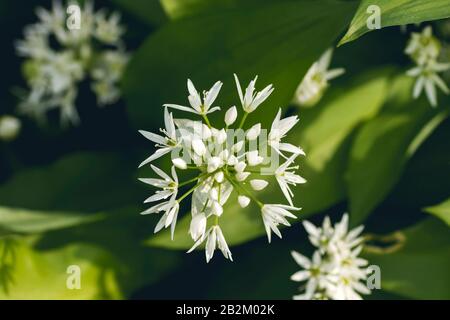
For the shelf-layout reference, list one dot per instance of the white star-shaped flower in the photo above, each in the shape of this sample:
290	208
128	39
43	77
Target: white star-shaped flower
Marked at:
165	143
198	105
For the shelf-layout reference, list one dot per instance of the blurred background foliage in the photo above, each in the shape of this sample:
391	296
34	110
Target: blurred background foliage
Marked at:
70	196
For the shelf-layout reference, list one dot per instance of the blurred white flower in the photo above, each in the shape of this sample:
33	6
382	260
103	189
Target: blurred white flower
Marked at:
425	49
9	127
53	71
106	74
428	79
315	272
222	165
335	271
316	81
108	30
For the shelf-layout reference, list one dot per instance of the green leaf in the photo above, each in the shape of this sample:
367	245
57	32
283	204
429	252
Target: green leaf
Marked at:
43	275
395	13
121	235
84	182
419	268
30	221
382	148
177	9
148	11
235	40
323	133
442	211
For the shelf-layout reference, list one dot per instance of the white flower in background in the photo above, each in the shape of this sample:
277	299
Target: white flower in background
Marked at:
108	30
335	272
428	79
425	49
224	160
316	81
106	74
9	127
315	272
54	71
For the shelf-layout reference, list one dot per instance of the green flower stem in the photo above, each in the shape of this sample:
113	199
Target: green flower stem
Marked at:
243	120
205	117
189	191
194	179
243	190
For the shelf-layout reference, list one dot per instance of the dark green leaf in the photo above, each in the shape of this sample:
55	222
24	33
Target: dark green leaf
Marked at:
30	221
80	183
277	40
419	268
383	146
148	11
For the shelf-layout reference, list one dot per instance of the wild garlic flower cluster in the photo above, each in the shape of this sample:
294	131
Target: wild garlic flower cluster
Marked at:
223	160
316	81
335	271
58	58
425	49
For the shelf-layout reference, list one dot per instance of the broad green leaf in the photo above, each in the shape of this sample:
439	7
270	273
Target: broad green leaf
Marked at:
324	139
30	221
442	211
121	235
395	13
235	40
383	146
148	11
84	182
43	275
177	9
429	167
418	269
116	247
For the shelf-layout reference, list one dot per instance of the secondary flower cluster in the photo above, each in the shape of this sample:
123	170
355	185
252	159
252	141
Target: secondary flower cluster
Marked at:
335	270
224	160
59	58
424	49
316	80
